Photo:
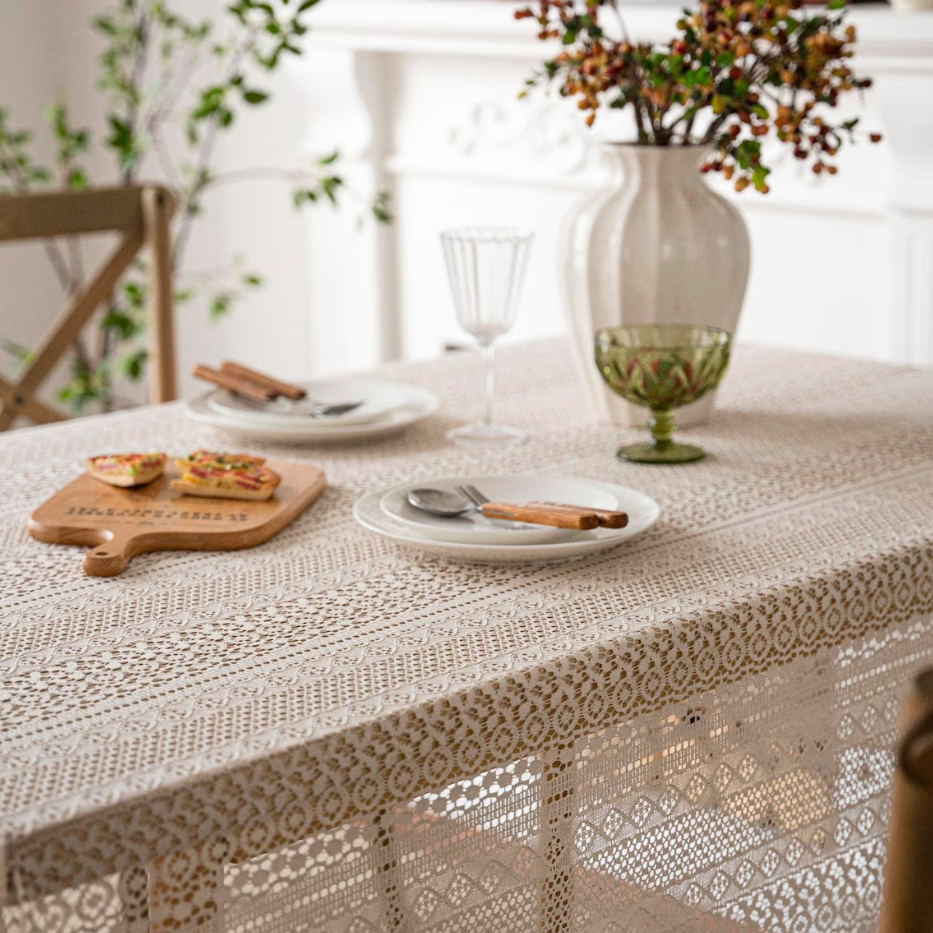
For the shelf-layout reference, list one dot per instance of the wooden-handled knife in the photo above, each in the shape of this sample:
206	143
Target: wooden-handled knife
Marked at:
578	520
607	517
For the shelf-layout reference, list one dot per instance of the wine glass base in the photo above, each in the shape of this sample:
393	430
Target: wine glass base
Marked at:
485	435
650	453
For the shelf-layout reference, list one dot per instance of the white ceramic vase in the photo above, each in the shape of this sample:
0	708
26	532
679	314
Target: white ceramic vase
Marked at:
657	245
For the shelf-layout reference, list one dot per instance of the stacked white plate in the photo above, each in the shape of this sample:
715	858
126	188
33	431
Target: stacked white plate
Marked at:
472	537
386	407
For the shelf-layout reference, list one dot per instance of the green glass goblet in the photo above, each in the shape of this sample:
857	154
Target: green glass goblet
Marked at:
662	366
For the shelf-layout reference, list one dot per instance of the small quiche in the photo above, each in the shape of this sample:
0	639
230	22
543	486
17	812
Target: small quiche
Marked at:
126	469
226	476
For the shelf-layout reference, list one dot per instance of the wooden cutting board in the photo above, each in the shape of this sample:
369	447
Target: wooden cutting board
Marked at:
121	523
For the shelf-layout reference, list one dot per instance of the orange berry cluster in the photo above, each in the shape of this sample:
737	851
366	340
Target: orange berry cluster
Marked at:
736	73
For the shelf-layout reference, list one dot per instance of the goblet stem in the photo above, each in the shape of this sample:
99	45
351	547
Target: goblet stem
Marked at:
489	354
662	448
662	426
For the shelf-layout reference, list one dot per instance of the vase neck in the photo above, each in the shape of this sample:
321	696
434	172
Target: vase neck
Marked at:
663	166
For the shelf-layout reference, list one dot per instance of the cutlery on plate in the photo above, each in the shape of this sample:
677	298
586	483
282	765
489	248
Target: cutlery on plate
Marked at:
267	399
446	504
286	392
578	520
443	503
286	389
607	517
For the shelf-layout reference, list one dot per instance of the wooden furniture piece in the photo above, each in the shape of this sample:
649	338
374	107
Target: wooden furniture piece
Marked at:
141	214
907	906
121	523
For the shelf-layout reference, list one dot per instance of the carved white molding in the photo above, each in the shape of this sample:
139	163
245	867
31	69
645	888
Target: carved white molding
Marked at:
542	132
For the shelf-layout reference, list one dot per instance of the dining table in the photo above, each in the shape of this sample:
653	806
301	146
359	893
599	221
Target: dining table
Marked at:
694	730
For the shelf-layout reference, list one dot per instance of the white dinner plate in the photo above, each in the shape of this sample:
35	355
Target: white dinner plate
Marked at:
418	404
473	528
379	399
642	510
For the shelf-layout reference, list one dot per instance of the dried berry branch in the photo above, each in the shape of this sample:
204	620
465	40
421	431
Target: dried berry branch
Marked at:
736	73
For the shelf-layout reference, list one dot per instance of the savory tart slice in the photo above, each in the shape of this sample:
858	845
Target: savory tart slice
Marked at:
226	476
212	460
126	469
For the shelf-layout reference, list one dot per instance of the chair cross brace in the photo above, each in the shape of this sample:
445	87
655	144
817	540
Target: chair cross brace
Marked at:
142	215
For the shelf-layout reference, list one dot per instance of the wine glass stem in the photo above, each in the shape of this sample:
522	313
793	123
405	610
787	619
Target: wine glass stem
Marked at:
662	426
489	354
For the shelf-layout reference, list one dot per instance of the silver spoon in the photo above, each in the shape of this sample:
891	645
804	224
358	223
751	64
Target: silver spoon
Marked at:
446	504
440	502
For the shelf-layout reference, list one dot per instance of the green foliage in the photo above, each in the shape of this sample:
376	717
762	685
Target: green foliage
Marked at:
382	208
17	169
70	144
20	353
160	70
88	385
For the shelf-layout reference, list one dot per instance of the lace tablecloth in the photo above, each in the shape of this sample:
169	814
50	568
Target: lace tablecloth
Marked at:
328	733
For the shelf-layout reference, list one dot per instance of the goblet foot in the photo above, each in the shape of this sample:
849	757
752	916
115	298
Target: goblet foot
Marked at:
661	453
483	434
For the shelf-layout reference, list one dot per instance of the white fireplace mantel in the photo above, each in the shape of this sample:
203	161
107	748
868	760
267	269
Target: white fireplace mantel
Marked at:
420	96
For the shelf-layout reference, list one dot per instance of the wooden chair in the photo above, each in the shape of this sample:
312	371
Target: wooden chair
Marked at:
907	904
141	214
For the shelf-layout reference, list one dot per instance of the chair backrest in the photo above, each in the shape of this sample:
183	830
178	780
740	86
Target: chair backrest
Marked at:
907	904
142	215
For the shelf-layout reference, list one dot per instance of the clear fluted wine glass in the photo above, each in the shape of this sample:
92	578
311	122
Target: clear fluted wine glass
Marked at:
486	268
